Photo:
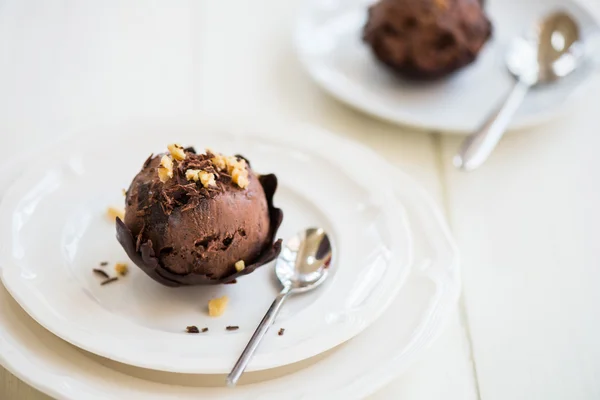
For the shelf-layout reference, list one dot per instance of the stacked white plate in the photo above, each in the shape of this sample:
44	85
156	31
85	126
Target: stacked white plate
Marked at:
394	275
329	44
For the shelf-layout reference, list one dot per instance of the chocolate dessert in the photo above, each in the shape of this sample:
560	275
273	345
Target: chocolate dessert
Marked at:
193	219
427	39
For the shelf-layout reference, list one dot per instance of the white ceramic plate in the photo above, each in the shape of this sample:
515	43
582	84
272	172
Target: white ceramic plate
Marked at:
55	231
351	371
329	45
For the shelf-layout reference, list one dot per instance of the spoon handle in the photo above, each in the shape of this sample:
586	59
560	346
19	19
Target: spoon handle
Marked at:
479	145
259	333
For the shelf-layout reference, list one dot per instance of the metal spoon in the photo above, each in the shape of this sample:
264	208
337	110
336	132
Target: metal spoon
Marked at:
553	52
301	266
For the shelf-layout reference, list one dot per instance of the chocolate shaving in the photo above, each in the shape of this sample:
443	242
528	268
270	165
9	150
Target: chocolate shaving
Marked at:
110	280
104	263
232	328
204	330
192	329
281	331
143	255
148	160
101	273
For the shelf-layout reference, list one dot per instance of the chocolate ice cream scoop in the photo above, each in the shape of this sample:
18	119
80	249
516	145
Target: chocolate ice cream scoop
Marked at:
194	219
427	39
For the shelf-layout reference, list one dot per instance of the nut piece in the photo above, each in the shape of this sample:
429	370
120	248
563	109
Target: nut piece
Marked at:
176	151
121	269
216	307
207	178
165	171
233	163
240	265
114	212
219	160
192	174
240	177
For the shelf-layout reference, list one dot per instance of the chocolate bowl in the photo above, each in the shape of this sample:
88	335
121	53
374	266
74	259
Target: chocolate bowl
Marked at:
182	230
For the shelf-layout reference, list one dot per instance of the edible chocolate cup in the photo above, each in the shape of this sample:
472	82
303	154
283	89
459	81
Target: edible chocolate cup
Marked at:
146	259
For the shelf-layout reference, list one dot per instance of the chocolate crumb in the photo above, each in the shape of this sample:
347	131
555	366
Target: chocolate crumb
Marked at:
232	328
281	331
104	263
204	330
192	329
110	280
101	273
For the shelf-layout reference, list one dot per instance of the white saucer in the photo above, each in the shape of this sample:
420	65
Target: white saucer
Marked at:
329	45
352	371
60	232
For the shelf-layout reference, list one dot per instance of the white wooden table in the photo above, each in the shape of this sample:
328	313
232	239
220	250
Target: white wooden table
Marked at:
528	326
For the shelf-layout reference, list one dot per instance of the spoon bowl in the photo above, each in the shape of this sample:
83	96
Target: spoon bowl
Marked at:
304	261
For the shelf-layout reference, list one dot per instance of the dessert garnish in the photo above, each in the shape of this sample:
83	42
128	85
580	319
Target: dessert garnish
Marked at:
121	269
192	329
109	280
101	273
216	307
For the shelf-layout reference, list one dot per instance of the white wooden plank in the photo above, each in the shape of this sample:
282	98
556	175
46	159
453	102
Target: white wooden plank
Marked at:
11	388
528	225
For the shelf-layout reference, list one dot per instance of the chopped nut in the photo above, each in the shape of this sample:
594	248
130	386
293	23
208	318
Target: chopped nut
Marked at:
176	151
114	212
281	331
240	265
192	174
165	171
121	269
207	178
192	329
216	307
219	160
240	177
233	163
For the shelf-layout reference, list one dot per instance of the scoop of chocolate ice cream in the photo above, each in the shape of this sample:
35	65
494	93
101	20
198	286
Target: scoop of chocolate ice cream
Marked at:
427	39
189	218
